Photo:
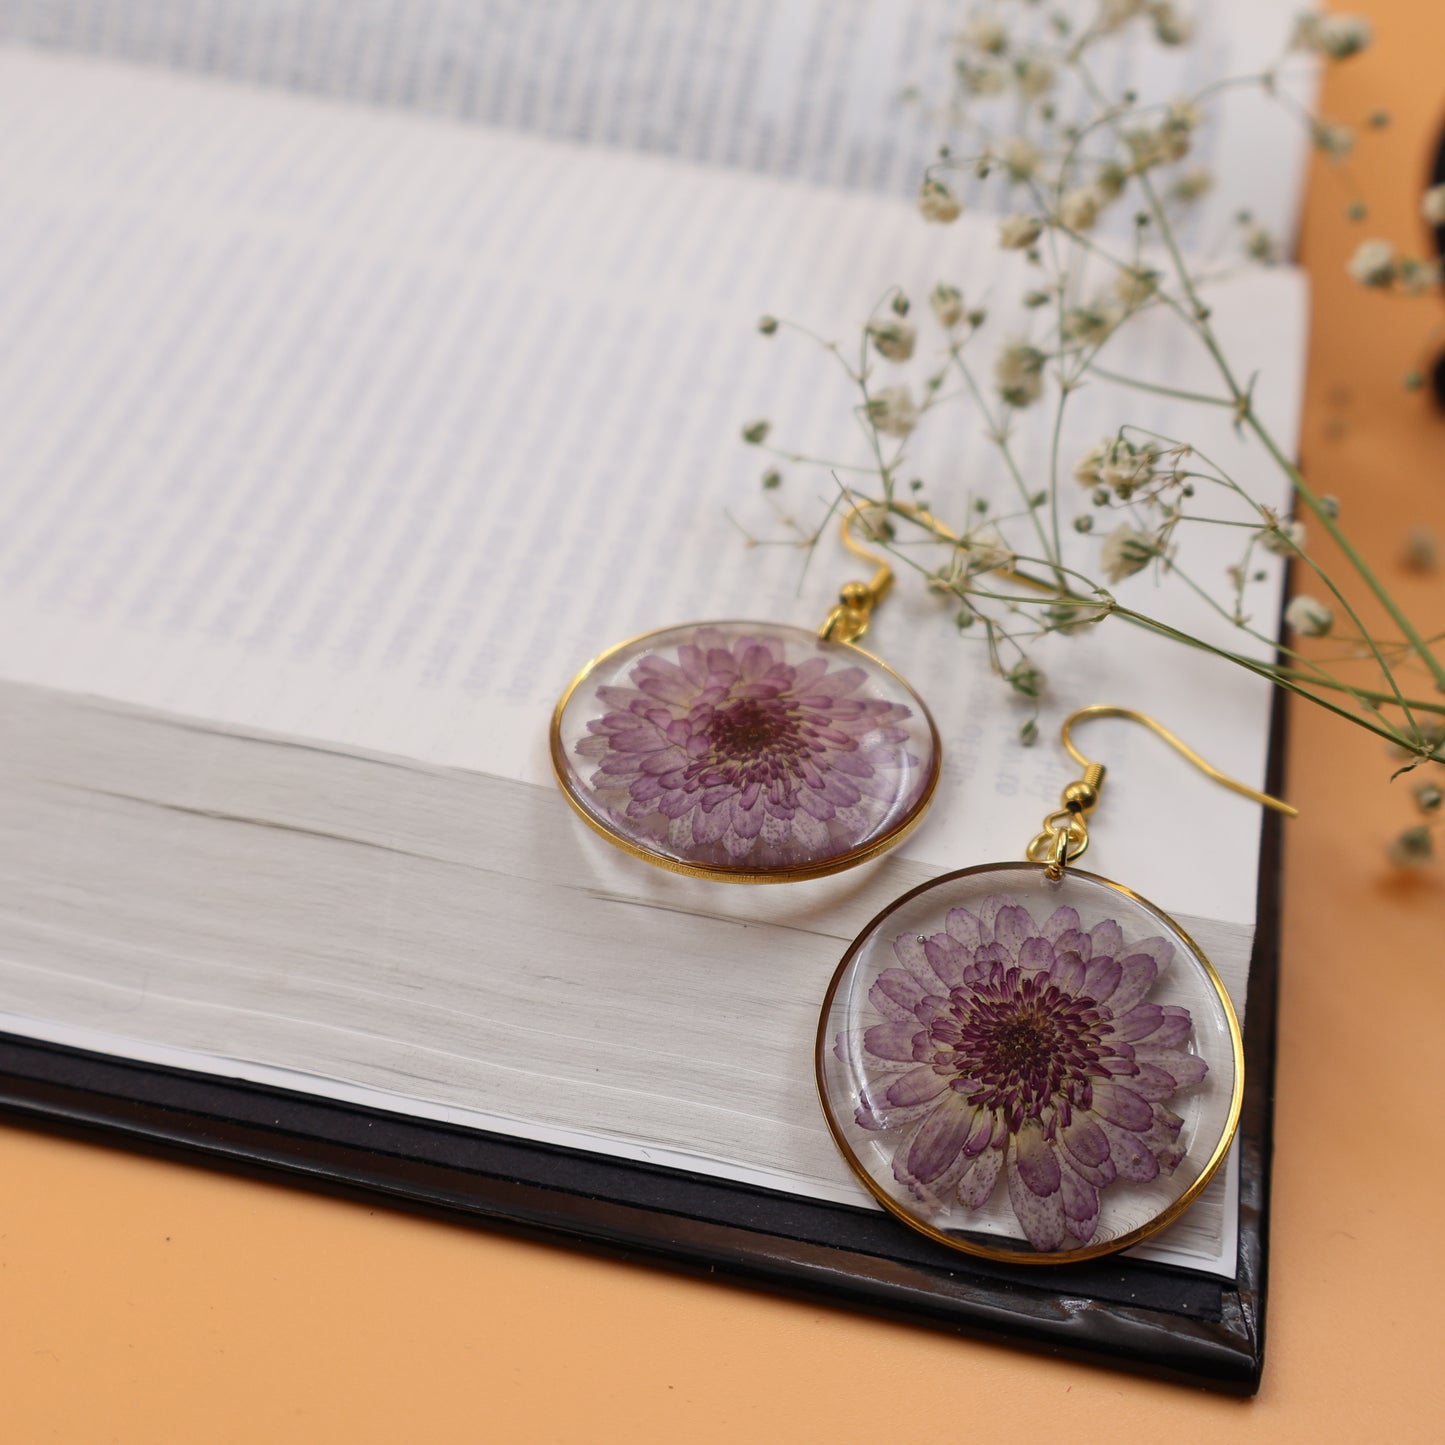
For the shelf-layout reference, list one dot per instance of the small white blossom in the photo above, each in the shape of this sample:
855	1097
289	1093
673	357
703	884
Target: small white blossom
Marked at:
1146	147
1309	617
1135	285
1373	263
986	33
1418	276
1284	539
1170	27
1176	135
1126	551
1019	373
1021	158
947	303
1079	208
1090	324
1117	464
1337	36
1116	13
1432	205
893	411
1196	182
1110	180
937	202
1260	244
1334	139
983	80
1017	232
894	339
1033	77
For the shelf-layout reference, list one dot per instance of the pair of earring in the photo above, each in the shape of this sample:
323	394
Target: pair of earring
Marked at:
1021	1060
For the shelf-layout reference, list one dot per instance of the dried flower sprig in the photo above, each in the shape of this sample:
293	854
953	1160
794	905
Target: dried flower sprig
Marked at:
1095	189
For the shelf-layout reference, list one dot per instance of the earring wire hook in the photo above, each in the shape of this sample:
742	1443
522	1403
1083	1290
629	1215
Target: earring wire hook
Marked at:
1128	714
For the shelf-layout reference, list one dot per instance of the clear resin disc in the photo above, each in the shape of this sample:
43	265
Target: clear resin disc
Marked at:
1029	1069
745	751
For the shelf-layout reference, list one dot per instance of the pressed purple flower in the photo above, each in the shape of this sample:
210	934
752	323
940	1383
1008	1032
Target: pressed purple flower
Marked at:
1032	1051
732	753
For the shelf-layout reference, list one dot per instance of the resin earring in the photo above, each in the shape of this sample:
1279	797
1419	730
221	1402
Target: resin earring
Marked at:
1028	1062
750	752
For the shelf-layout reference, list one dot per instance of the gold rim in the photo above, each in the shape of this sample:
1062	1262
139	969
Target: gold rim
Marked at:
724	873
1023	1256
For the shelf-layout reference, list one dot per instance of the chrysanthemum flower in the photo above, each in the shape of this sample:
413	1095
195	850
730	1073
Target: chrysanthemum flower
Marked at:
731	752
1032	1051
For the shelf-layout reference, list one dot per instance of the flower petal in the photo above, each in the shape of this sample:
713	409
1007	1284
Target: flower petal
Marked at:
964	927
894	1041
1120	1106
1037	1165
948	958
1139	1022
1184	1069
1011	927
917	1086
1058	921
1108	938
939	1140
1136	977
1085	1140
1068	972
1036	954
908	950
977	1185
1152	1082
1040	1216
1081	1205
1130	1156
1174	1030
1101	977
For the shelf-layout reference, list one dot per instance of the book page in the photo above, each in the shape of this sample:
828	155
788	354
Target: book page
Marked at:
377	430
837	92
435	942
370	430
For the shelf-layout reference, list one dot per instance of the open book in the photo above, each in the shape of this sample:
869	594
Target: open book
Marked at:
337	436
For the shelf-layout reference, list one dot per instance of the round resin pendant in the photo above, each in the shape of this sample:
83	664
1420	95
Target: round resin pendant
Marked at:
1029	1069
745	751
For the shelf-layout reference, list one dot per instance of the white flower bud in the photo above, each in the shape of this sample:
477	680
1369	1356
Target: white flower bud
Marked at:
1309	617
893	411
1432	205
1019	374
947	303
1373	264
894	339
1021	158
1033	77
1170	27
1017	232
1337	36
986	33
937	202
1135	285
1284	539
1126	551
1260	245
1079	208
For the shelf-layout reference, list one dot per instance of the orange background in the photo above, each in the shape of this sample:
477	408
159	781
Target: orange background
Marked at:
148	1302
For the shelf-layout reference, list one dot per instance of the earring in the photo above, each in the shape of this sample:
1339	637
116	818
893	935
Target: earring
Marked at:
750	752
1033	1021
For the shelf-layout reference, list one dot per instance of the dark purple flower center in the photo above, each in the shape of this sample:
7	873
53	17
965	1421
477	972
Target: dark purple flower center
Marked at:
1018	1043
750	730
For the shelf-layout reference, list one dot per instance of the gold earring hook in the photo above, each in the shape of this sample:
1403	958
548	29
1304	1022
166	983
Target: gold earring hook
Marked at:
849	620
1065	833
1128	714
